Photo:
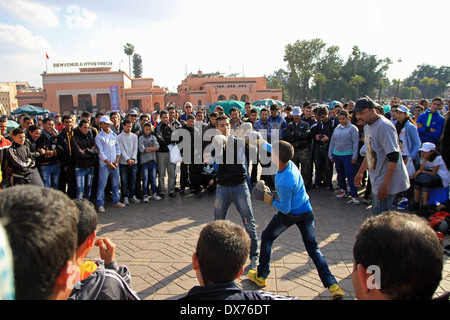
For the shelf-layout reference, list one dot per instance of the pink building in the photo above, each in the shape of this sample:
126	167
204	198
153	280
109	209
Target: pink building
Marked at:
94	89
202	89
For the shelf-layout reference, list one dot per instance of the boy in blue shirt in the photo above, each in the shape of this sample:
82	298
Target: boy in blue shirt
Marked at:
294	208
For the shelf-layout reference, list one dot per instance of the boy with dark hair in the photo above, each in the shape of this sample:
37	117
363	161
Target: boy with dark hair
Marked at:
41	224
20	159
396	256
221	252
103	279
293	208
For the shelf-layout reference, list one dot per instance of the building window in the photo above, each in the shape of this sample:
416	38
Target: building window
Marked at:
244	98
233	97
221	98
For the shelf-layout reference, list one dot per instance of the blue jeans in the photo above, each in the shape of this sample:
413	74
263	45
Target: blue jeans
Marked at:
345	170
128	176
50	175
84	177
103	173
148	170
305	223
380	206
240	195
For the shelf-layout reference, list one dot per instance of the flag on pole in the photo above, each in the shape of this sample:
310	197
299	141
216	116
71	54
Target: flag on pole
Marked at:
46	55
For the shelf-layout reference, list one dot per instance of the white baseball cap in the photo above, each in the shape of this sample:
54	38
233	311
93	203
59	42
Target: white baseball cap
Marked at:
105	119
427	147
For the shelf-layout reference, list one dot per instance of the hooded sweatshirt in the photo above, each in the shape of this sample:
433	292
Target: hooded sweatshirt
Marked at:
103	282
128	146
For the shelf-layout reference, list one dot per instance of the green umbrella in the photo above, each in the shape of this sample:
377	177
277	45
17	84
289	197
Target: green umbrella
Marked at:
227	105
30	110
386	108
268	103
11	124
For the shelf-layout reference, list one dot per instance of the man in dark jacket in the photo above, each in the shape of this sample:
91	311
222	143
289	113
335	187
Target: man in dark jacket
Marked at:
188	151
34	132
322	132
297	134
85	158
163	133
231	174
48	162
67	177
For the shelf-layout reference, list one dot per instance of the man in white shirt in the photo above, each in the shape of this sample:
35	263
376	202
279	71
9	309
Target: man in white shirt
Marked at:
109	156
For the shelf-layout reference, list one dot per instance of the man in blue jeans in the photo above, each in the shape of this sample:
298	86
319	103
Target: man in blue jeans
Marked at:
109	155
231	174
294	208
51	152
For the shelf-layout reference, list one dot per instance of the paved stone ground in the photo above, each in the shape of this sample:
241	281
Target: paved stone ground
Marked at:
156	241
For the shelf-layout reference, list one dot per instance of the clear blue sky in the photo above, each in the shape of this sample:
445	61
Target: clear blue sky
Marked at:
175	36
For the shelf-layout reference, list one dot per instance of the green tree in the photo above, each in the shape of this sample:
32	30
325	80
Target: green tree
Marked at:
128	48
302	57
330	66
370	67
137	65
427	87
427	84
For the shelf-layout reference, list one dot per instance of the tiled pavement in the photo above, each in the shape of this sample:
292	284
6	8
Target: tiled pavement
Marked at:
156	240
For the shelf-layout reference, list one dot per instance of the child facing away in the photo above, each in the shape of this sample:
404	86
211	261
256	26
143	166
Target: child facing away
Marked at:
148	145
433	173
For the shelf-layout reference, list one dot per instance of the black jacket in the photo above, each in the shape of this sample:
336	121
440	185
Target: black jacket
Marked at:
49	142
84	151
163	133
325	128
229	291
297	134
234	173
35	154
19	159
65	141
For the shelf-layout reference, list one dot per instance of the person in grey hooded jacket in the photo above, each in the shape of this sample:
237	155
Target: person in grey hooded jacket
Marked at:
103	279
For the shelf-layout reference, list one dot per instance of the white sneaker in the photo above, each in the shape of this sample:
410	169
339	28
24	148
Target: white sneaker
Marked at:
355	200
341	194
156	197
135	200
125	201
119	205
145	199
101	209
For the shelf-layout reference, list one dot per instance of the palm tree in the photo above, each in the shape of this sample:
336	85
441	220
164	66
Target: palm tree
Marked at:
128	48
320	79
357	81
356	52
382	83
397	83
